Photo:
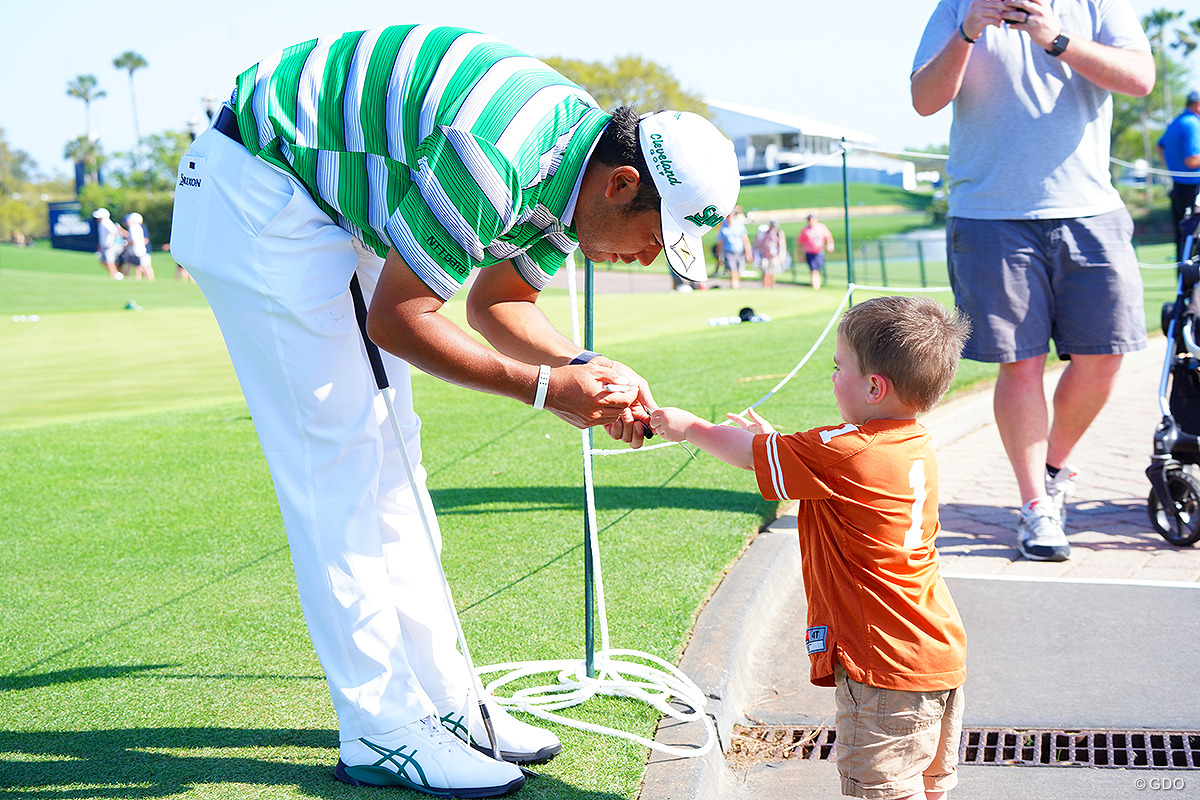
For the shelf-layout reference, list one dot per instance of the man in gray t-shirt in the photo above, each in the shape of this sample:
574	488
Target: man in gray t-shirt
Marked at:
1038	240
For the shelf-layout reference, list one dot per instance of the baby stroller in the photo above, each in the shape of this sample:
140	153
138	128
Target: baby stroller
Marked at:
1174	502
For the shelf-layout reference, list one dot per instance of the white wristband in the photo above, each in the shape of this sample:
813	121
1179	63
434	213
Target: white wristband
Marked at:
539	398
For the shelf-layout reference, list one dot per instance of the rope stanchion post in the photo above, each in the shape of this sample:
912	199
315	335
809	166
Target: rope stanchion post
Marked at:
846	217
589	633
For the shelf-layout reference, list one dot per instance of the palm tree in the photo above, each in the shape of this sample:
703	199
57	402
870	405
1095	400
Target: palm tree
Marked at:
131	62
1156	24
1188	39
85	151
84	88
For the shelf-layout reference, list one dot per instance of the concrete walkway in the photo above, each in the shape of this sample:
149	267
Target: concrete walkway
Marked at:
1107	640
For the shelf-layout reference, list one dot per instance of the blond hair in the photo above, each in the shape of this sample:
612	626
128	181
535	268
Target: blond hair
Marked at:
913	341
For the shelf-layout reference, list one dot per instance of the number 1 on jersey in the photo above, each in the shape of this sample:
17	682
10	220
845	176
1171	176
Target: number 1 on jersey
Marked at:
916	481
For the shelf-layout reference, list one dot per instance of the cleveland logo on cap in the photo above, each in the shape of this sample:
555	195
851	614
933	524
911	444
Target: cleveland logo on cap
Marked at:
660	159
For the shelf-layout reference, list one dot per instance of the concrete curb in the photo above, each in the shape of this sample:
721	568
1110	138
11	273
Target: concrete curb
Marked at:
716	658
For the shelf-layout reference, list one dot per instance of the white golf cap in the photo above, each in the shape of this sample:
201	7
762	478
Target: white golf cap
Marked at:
100	213
695	170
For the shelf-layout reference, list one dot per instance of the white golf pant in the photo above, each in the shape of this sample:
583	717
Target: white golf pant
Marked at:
276	271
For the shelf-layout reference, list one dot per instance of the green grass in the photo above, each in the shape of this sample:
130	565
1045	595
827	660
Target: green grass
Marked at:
151	643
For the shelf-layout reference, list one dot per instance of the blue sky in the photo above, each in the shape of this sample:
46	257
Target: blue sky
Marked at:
845	62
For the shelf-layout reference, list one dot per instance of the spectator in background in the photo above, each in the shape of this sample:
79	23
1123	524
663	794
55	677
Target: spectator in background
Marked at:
733	246
1180	149
815	241
137	252
1038	241
770	250
110	236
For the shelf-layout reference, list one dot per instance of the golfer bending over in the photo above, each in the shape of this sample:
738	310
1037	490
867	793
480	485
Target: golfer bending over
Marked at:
882	626
410	157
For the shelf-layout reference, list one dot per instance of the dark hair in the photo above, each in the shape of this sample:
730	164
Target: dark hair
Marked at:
915	342
619	146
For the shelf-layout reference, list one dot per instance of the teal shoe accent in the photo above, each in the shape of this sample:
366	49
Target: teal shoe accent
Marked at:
457	724
399	762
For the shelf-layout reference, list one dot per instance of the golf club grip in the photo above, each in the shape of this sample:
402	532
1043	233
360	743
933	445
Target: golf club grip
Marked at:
360	313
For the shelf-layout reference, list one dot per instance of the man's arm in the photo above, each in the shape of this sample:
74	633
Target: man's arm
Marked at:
502	307
936	83
405	320
1115	69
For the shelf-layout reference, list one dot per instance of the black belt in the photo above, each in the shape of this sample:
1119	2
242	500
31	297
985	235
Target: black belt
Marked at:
227	124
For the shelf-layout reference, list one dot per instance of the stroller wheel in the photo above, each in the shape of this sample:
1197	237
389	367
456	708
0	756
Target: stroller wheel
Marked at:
1168	314
1179	525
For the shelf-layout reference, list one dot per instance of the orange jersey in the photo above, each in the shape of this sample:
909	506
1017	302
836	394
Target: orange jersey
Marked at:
867	522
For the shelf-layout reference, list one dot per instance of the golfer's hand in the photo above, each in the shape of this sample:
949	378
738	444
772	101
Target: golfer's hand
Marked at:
586	395
671	423
751	421
633	427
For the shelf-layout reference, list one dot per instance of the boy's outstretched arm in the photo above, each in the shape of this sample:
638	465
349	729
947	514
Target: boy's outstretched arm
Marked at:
731	445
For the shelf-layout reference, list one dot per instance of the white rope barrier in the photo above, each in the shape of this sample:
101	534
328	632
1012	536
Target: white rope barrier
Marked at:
850	147
648	678
795	167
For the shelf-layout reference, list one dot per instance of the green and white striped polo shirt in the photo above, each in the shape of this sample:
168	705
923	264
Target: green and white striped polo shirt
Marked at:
457	149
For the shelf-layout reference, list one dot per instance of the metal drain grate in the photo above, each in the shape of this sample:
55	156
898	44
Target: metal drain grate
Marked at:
1061	748
998	746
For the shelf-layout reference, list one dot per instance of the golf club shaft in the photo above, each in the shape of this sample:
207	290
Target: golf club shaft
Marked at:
381	381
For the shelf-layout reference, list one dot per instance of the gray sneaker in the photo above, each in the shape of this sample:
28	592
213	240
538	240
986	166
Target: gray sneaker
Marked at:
1060	488
1040	535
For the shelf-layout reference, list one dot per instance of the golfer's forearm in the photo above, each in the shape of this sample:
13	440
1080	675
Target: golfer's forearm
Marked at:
520	330
437	346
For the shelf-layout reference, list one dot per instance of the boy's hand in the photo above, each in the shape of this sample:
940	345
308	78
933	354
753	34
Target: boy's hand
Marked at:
755	423
671	423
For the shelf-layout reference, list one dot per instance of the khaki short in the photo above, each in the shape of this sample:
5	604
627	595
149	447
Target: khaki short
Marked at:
892	743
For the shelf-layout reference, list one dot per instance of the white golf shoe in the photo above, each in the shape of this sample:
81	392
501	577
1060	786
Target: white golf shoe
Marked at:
424	757
519	742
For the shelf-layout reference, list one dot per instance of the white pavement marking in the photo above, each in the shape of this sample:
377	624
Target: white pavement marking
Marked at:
1095	581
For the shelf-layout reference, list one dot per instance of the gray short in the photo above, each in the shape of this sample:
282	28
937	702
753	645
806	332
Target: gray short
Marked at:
1024	283
734	262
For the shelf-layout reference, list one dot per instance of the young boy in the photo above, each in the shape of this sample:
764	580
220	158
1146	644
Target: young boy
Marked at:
882	626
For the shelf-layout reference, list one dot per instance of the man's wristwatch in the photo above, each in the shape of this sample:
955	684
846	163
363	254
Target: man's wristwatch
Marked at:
1059	45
